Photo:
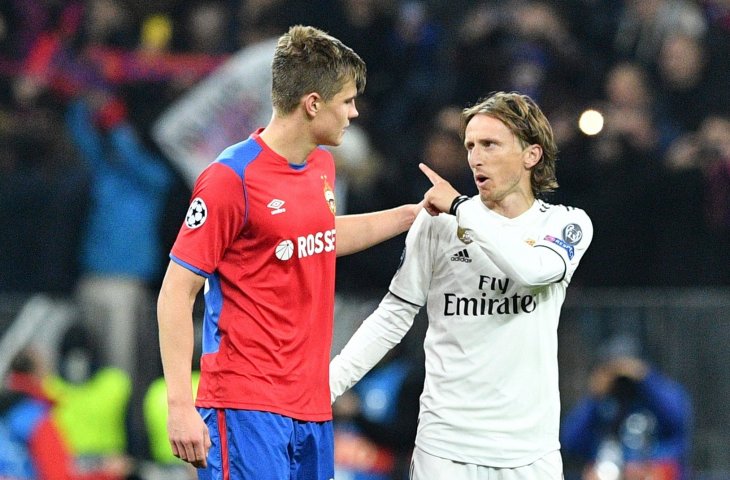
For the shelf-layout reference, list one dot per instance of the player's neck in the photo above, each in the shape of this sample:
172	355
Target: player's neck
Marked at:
511	206
287	136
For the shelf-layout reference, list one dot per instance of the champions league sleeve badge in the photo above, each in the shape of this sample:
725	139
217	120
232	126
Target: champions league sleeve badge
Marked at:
197	213
572	235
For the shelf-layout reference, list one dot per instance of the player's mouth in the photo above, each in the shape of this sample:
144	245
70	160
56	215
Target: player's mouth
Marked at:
480	179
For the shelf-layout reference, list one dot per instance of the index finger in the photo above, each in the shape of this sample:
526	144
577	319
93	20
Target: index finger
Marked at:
433	176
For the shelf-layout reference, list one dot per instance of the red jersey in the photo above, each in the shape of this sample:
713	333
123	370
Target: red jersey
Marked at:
262	232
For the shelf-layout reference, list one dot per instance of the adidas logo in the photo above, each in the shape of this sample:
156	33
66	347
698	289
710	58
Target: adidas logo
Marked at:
461	256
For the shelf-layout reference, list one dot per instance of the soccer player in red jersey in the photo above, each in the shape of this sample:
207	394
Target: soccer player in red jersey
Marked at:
262	235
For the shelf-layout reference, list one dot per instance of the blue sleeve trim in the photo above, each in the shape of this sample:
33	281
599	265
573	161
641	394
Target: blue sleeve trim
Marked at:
192	268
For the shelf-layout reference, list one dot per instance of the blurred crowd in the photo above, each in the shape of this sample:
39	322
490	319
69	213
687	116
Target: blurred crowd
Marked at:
655	179
91	203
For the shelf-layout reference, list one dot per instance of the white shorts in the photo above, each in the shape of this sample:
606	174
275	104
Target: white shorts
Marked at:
428	467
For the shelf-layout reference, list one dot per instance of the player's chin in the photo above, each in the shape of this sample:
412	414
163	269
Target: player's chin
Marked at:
340	138
333	140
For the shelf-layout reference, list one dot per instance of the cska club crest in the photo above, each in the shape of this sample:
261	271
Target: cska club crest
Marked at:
329	195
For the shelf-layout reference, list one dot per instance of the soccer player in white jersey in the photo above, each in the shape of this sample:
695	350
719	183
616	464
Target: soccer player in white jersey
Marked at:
493	271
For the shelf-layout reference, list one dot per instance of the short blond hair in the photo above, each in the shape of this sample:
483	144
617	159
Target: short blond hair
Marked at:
309	60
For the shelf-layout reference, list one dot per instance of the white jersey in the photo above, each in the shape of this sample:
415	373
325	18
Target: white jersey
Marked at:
493	288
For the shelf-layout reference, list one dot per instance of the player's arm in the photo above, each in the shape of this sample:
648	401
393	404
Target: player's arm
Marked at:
550	260
357	232
528	265
380	332
85	136
187	432
139	163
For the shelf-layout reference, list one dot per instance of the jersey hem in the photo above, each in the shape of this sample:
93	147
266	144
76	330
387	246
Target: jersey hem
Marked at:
487	462
306	417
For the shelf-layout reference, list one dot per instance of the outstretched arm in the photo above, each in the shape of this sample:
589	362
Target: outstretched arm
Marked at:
188	433
357	232
380	332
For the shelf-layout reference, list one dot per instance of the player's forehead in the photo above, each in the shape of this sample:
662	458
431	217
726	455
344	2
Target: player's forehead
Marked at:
482	126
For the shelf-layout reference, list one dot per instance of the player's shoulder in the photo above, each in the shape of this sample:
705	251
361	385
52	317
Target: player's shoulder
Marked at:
230	164
239	155
560	210
574	222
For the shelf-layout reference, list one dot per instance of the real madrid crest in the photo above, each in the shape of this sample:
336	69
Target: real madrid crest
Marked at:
572	233
329	195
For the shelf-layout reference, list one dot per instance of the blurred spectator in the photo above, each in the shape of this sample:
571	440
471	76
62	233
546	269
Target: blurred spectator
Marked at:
546	61
90	402
618	169
107	23
478	52
122	252
443	150
634	423
695	184
687	93
416	61
257	21
527	46
45	195
156	34
205	28
365	28
365	183
644	24
31	447
358	167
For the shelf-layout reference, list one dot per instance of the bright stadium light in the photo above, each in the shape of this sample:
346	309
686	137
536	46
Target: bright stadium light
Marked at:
591	122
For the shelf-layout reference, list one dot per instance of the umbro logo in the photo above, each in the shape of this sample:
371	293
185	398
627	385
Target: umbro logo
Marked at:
276	206
461	256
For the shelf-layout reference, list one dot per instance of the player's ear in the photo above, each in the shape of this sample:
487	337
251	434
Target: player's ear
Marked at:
312	103
533	154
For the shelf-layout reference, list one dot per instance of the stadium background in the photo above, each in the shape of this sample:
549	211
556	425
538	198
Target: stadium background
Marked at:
655	179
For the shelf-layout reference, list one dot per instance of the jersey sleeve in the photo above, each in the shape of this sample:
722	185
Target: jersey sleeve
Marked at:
530	265
214	219
569	234
378	334
412	280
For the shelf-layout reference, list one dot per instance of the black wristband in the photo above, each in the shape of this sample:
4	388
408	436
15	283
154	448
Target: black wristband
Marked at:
457	201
